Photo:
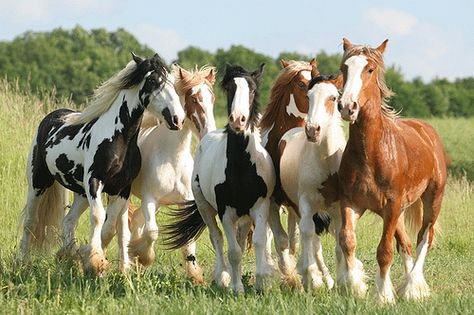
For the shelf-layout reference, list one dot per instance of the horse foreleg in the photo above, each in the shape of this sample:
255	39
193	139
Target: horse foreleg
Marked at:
312	277
385	254
318	251
123	235
92	255
293	232
351	270
142	247
193	270
285	260
265	267
234	252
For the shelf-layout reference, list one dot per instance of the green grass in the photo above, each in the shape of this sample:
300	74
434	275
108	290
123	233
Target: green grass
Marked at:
51	287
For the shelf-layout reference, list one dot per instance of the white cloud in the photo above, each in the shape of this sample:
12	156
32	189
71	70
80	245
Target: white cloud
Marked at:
391	20
166	42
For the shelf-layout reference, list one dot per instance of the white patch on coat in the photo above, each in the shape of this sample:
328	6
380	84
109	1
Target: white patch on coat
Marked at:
306	74
292	109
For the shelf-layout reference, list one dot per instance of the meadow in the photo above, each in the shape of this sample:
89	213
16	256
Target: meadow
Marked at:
51	287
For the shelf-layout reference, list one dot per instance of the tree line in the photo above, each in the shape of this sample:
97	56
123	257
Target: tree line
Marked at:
73	62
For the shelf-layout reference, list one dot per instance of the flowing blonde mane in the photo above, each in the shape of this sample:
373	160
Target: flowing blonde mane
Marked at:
279	89
377	58
195	78
104	96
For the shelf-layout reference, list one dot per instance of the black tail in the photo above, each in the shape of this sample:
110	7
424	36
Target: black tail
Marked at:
321	222
188	226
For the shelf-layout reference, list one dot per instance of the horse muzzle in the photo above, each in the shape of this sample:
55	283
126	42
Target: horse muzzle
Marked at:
237	123
349	112
313	132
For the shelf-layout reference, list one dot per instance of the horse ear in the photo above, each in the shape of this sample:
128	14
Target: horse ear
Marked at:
346	44
382	46
284	63
211	77
183	73
314	68
257	74
338	81
137	59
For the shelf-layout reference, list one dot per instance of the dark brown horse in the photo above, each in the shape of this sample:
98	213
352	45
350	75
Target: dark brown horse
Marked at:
389	164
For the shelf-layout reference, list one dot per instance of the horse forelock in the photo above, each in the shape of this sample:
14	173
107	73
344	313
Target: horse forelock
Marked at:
375	56
279	90
196	77
105	95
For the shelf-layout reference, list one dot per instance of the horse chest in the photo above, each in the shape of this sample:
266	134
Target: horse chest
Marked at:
243	185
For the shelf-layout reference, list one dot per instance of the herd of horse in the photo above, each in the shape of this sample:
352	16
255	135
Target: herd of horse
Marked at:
135	139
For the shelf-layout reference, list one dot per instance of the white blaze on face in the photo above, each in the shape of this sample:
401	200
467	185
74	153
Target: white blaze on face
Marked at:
241	101
206	95
319	93
306	74
166	98
355	65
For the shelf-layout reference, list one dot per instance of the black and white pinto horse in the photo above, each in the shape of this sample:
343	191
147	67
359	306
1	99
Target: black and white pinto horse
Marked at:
93	152
233	177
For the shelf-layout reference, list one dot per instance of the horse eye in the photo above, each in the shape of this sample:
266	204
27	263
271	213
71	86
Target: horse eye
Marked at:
371	70
333	98
301	85
194	100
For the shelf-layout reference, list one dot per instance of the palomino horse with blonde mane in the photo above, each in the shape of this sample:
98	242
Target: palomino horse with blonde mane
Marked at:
310	159
167	164
388	165
287	109
93	152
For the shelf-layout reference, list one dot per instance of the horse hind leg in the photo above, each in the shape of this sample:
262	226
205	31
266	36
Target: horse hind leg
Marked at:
414	285
68	249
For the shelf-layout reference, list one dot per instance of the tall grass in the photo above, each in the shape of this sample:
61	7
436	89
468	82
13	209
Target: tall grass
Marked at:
48	286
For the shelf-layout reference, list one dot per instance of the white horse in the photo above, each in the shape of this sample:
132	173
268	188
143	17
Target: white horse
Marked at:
308	171
167	165
234	178
93	152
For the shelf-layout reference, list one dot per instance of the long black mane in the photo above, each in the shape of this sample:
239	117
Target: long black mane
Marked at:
235	71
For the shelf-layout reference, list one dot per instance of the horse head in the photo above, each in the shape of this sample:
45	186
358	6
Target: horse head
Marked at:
157	92
363	70
195	89
322	95
242	89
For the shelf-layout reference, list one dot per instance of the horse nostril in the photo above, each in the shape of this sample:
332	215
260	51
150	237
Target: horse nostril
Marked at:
242	119
318	128
231	117
175	120
339	106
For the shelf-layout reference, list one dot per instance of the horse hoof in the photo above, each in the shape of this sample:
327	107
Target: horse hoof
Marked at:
93	260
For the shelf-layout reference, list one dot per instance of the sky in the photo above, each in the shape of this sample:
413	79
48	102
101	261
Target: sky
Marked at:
429	39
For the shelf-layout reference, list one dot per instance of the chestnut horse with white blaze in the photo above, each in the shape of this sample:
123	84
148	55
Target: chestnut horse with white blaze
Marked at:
388	165
233	178
167	164
93	152
309	163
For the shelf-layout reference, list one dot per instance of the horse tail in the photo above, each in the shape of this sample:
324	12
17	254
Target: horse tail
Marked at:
48	212
414	219
321	220
188	226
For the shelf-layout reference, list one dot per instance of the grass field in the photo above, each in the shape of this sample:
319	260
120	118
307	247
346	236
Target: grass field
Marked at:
50	287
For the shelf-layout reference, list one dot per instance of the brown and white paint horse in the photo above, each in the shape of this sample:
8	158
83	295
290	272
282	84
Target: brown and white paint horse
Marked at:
389	164
287	109
167	164
310	159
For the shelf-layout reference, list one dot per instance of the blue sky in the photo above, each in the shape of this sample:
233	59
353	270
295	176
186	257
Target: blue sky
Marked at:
426	38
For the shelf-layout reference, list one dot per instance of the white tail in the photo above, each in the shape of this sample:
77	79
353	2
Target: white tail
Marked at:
44	216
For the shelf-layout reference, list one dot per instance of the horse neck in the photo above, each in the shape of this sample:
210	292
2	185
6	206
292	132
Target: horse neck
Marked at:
334	139
366	133
127	111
